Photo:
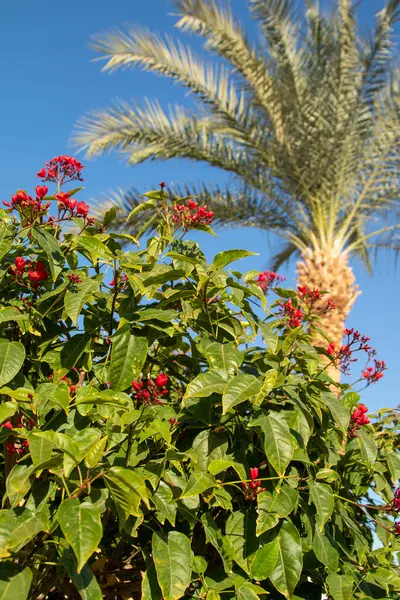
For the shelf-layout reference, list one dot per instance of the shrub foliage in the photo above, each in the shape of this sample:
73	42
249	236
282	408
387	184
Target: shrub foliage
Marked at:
168	430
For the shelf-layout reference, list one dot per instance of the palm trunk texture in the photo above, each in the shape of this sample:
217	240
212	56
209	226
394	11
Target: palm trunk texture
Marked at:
330	273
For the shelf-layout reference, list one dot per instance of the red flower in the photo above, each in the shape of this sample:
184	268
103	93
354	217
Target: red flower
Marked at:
82	209
41	191
65	202
20	263
331	349
137	385
7	425
42	173
162	185
253	473
161	380
192	204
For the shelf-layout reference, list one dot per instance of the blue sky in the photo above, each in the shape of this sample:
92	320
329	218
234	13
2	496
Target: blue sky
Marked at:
49	80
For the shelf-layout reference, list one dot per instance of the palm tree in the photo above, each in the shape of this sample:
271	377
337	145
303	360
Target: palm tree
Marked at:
307	121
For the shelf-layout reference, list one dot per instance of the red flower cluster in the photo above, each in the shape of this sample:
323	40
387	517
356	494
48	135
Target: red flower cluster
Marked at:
79	209
310	297
22	201
373	374
345	355
150	392
74	278
306	294
293	314
357	419
19	446
36	274
254	486
267	279
396	528
192	215
61	169
39	273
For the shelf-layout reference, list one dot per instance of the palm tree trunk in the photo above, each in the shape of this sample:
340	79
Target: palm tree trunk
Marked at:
329	272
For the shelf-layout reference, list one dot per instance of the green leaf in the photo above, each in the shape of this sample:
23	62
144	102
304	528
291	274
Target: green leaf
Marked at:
198	482
240	531
268	385
324	502
289	564
172	559
325	551
6	240
160	278
7	410
12	356
222	464
141	207
368	447
204	385
11	313
264	560
225	358
340	586
109	216
75	301
340	413
225	258
156	314
71	352
95	452
245	592
85	582
14	583
278	443
239	389
18	484
49	244
220	542
150	588
393	461
19	526
81	525
95	247
269	336
275	506
165	503
39	448
128	355
128	489
62	442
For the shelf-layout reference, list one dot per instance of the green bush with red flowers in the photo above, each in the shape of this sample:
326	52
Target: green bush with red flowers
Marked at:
168	429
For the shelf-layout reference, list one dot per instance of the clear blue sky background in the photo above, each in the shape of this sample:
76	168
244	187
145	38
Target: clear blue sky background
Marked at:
48	81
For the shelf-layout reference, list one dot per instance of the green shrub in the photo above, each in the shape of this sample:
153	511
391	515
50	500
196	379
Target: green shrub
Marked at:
173	433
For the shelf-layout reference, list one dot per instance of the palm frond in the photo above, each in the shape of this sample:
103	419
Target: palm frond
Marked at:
210	83
214	21
283	255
